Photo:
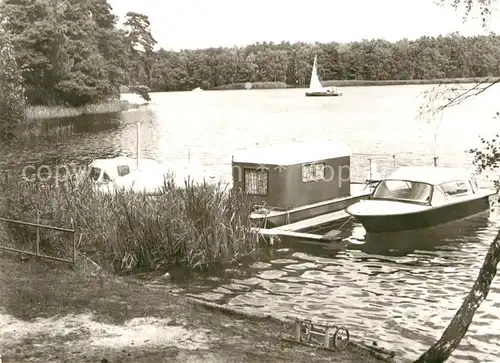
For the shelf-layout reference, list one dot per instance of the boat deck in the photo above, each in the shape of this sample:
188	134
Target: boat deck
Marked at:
314	222
357	190
293	230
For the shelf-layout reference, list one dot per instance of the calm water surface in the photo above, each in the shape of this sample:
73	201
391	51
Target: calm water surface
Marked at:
400	291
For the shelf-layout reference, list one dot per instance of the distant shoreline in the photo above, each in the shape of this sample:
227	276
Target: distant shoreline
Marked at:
39	113
351	83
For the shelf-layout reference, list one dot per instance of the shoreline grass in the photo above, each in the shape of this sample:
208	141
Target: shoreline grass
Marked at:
355	83
252	85
190	226
36	113
402	82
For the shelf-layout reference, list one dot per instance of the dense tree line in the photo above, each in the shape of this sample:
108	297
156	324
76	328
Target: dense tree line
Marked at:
73	52
452	56
11	89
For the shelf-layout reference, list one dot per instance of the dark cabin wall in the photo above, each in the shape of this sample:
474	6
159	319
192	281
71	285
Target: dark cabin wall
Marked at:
286	189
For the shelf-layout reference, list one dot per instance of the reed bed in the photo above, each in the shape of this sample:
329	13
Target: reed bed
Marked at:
193	225
52	112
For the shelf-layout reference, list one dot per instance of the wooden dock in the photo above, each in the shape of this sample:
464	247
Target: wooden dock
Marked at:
293	230
314	222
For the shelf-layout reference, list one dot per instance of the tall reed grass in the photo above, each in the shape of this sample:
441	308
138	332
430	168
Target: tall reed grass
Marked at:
47	112
193	225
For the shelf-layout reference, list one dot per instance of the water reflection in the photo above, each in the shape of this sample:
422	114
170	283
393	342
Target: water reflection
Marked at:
67	140
389	291
400	290
447	236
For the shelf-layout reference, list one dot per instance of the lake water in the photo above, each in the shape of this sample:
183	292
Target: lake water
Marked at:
400	292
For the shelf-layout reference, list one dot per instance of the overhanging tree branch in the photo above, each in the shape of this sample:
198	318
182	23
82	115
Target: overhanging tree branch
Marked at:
443	96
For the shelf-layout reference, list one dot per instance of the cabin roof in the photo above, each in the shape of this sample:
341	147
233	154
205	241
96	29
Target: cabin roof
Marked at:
430	174
110	165
292	153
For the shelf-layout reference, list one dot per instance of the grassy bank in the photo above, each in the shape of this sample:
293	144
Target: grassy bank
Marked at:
52	313
353	83
34	113
191	226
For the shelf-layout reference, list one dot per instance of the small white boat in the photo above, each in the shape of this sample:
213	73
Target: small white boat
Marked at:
197	89
419	197
149	177
316	89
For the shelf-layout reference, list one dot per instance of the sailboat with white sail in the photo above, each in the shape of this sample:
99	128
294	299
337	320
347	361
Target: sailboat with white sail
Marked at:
316	89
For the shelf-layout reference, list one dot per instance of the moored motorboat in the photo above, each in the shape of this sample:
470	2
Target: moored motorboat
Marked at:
419	197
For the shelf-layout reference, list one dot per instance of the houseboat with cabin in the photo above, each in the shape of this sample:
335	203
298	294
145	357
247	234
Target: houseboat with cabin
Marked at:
296	181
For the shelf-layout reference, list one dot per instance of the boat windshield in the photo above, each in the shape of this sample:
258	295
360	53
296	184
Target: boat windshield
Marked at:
408	191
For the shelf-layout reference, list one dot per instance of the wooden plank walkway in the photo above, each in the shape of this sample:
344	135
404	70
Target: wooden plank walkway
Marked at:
282	233
314	222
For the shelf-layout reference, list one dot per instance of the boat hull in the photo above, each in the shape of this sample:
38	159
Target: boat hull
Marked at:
425	218
298	214
323	94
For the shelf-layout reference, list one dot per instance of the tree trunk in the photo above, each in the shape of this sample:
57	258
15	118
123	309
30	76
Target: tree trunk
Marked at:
456	330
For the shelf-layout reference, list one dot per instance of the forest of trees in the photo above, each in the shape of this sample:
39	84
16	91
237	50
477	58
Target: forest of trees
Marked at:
74	52
452	56
71	52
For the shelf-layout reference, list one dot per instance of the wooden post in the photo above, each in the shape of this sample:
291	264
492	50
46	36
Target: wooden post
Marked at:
138	142
37	232
370	166
74	240
435	161
297	331
327	337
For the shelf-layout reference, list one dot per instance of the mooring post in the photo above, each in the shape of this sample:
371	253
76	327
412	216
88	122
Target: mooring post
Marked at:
297	330
327	337
393	162
37	232
435	160
74	240
138	142
370	166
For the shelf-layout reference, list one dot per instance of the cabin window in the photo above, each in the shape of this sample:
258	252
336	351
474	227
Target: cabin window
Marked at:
455	188
105	178
474	186
403	190
313	172
256	181
123	170
438	197
95	173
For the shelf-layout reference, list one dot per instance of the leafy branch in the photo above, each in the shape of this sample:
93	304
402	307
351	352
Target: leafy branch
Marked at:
442	96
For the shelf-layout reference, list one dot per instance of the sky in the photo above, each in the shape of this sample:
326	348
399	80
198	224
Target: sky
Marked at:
191	24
